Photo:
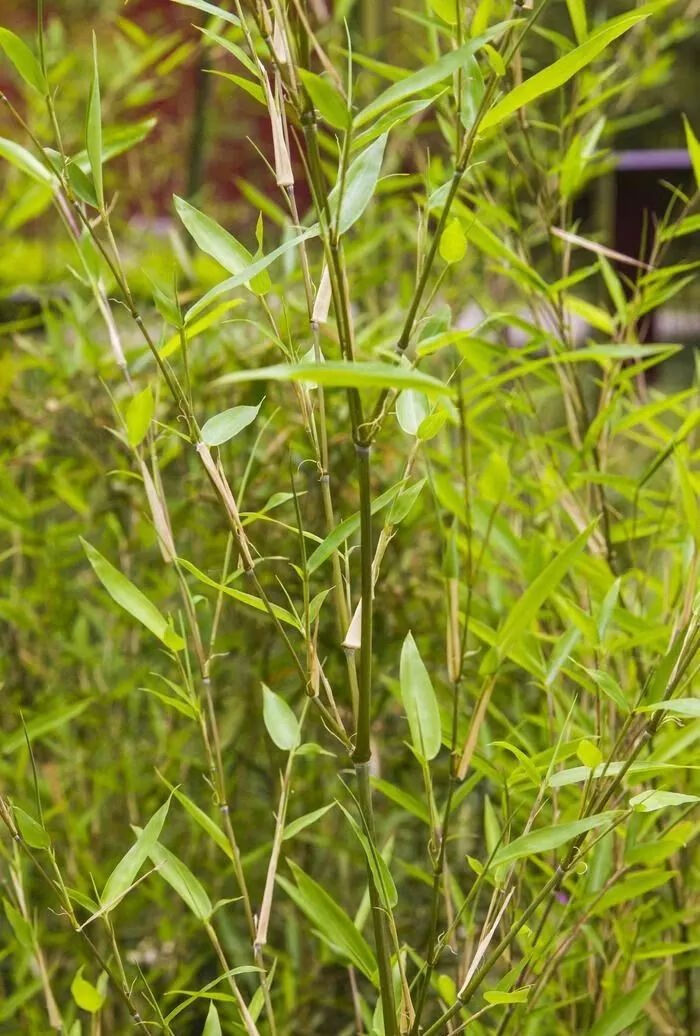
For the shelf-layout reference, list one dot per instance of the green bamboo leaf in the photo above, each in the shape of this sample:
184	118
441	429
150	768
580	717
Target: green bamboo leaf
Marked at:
23	931
93	133
224	426
82	185
381	875
589	754
252	271
19	54
131	599
330	920
515	996
625	1009
453	242
610	687
87	997
181	878
201	818
206	992
562	70
31	831
41	725
301	823
528	605
579	22
411	410
431	425
607	607
650	801
677	706
358	186
561	653
326	98
427	77
405	502
280	722
693	145
548	838
578	774
122	877
139	414
339	374
212	319
419	701
402	798
219	244
347	528
389	120
115	141
212	1025
240	595
445	9
26	162
632	888
213	9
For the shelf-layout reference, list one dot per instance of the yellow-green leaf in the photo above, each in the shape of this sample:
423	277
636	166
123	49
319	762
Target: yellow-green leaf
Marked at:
548	838
139	413
419	701
453	242
122	877
625	1008
131	599
326	98
558	73
31	831
87	997
219	244
93	134
445	9
589	754
693	145
17	51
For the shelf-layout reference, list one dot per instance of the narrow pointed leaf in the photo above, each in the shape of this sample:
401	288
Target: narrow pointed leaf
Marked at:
625	1008
131	599
212	1025
548	838
181	878
358	185
93	134
229	423
427	77
529	604
566	67
331	921
122	877
339	374
17	52
419	701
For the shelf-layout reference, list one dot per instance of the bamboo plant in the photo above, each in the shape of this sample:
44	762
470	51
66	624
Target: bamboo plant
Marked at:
416	616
